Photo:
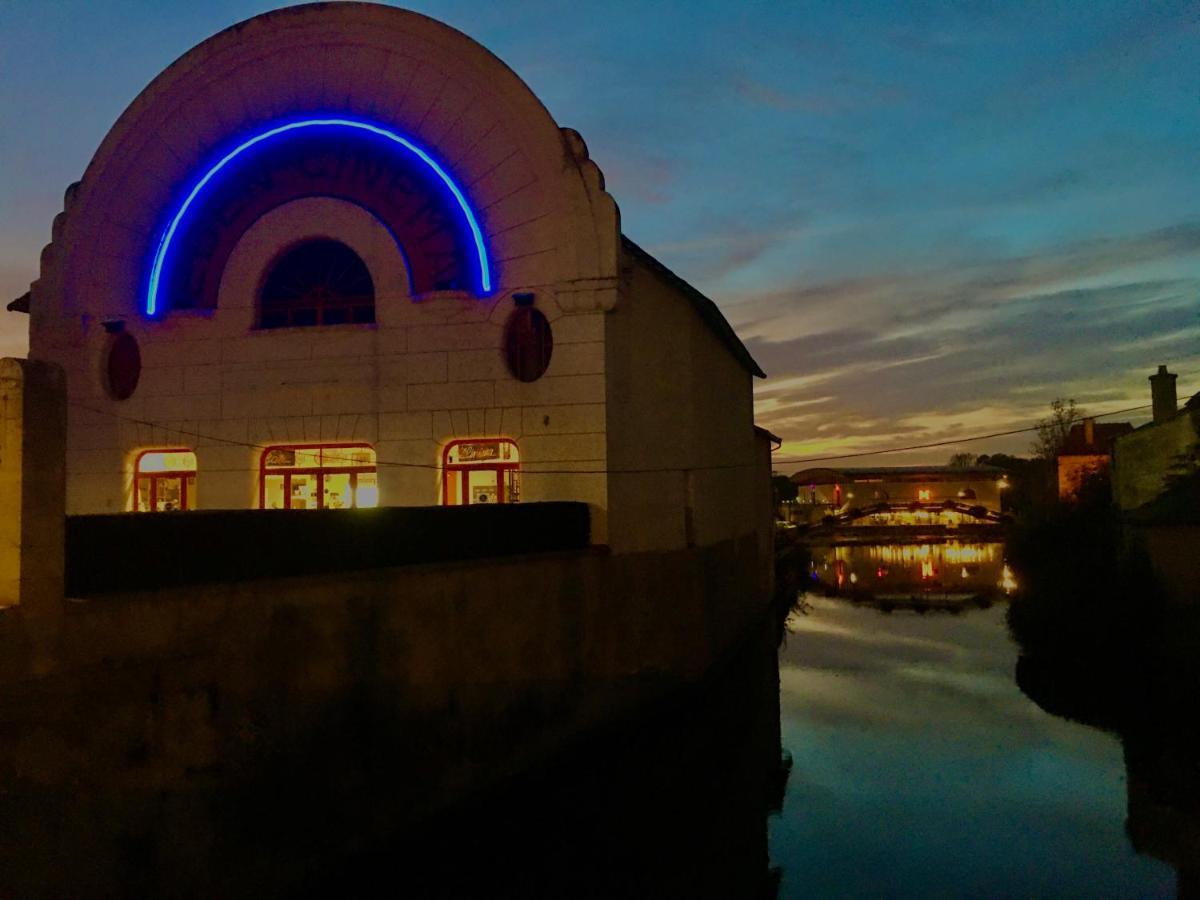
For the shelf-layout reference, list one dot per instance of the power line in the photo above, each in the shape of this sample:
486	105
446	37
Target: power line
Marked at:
606	470
384	463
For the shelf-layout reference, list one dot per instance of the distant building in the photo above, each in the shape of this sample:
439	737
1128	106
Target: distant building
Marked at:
1086	451
1146	456
901	495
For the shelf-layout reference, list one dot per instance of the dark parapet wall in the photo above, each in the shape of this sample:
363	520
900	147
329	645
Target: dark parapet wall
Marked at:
232	739
138	551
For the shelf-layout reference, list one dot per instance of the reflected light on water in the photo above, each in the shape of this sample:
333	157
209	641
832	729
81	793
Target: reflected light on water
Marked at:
890	571
1008	583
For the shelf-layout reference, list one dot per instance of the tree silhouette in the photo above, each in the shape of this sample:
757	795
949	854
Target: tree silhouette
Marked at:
1052	431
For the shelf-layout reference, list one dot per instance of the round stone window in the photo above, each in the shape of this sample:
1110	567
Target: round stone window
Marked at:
528	344
123	368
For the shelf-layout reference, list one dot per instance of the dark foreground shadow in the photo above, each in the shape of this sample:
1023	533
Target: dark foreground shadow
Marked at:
673	803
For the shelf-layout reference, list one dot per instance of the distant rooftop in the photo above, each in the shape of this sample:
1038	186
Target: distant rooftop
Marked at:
1104	433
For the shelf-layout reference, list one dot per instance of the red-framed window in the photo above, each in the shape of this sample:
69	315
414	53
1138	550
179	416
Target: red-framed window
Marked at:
318	476
164	480
481	470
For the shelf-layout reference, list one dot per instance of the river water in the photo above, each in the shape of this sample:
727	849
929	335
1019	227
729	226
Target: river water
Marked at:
919	767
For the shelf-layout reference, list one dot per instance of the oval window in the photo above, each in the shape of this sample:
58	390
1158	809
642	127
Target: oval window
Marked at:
124	366
528	344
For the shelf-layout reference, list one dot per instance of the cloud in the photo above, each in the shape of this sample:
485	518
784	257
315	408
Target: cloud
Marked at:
980	347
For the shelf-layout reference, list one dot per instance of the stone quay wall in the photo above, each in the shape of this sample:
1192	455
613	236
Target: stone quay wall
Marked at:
224	736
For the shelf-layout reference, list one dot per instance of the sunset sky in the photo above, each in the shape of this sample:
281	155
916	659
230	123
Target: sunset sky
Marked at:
926	220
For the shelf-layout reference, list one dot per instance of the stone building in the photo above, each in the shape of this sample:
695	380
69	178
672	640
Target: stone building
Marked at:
1145	457
340	255
1087	451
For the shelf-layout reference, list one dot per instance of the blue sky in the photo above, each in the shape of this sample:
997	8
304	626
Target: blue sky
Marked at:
927	220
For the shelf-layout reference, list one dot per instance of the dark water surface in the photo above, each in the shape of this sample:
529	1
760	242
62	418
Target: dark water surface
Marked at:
920	769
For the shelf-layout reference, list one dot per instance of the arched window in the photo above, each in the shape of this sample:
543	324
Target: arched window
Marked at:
164	480
318	282
483	470
324	476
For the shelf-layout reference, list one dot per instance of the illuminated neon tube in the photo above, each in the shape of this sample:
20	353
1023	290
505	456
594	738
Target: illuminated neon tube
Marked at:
164	244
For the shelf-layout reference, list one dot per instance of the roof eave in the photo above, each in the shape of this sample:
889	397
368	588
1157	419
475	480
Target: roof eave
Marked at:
21	304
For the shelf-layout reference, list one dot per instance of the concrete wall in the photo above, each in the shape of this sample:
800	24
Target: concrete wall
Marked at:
1143	458
683	466
1172	550
32	485
764	503
229	737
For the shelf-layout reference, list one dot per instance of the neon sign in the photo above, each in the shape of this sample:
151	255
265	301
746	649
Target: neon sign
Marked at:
152	305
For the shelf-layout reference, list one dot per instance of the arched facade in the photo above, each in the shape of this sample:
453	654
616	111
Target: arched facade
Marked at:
426	157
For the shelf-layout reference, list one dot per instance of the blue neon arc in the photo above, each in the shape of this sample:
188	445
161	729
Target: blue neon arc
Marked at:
164	244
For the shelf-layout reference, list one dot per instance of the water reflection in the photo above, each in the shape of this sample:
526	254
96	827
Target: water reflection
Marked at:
1161	752
1163	783
922	770
913	575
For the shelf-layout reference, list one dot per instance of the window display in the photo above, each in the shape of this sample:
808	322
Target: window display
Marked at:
483	470
326	476
164	481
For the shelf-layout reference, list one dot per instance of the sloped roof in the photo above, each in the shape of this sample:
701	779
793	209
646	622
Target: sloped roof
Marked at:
21	304
1102	439
708	311
770	436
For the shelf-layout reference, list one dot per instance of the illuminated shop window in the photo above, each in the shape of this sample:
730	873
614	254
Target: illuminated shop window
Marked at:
319	282
164	481
486	470
324	476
